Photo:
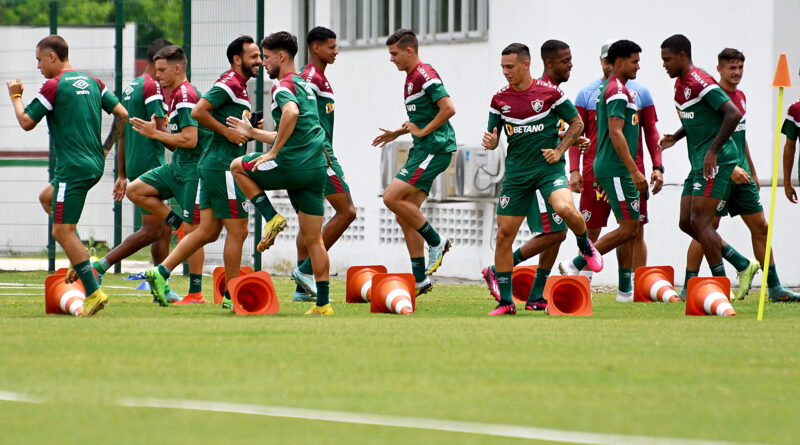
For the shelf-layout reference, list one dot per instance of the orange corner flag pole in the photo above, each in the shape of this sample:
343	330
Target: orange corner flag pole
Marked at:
782	80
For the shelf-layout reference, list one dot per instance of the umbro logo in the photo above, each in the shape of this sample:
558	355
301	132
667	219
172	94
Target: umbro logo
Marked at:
185	214
697	185
81	84
505	109
558	182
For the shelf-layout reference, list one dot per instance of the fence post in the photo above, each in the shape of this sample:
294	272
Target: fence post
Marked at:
118	23
259	144
187	36
51	242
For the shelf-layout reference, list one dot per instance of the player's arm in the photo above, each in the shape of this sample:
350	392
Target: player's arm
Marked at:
388	136
244	127
668	140
289	114
789	148
491	137
202	113
730	119
571	136
117	127
648	119
615	127
752	165
15	89
118	192
575	153
186	138
446	111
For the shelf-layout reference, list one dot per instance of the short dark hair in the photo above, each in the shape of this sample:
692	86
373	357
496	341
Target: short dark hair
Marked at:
729	55
172	53
520	49
678	43
56	44
156	46
236	48
551	47
319	34
403	38
281	41
622	49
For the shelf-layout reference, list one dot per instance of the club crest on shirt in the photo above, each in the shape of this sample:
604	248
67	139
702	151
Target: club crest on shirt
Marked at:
505	109
403	172
687	93
587	215
537	105
557	218
633	94
720	206
410	87
504	201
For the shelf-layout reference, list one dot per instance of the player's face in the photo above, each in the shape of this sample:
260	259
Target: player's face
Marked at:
514	68
605	66
673	63
326	51
167	74
561	65
251	59
629	66
400	57
272	62
731	71
46	63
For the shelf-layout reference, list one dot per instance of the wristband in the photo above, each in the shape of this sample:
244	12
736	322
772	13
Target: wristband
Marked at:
659	168
16	95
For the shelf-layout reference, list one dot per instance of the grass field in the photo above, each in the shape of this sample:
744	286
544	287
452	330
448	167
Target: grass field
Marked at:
633	369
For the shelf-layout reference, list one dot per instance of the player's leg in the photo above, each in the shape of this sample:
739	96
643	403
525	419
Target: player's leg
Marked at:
702	213
415	243
639	244
694	259
757	224
242	171
547	259
189	198
46	198
507	228
235	234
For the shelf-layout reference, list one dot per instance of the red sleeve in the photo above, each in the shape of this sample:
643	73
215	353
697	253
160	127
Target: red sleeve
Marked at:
151	88
574	151
48	92
648	119
101	84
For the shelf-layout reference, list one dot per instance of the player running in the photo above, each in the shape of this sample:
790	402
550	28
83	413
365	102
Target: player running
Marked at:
72	102
322	51
178	178
220	198
429	109
615	163
708	119
529	111
296	163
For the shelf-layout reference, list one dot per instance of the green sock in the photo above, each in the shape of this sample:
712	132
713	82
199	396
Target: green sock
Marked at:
625	284
579	262
163	271
298	288
101	266
430	235
584	244
737	260
418	268
195	282
226	295
174	220
305	267
518	257
264	207
772	278
718	270
323	289
537	290
504	282
690	274
86	274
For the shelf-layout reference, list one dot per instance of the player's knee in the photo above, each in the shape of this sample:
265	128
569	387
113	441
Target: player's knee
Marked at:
62	232
560	236
505	237
236	165
685	224
347	214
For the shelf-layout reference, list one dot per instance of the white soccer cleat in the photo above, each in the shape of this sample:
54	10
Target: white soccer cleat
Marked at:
624	297
567	268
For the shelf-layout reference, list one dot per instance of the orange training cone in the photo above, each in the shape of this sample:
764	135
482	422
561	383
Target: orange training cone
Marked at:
253	294
782	77
393	293
652	284
61	297
522	281
218	281
359	283
568	295
709	296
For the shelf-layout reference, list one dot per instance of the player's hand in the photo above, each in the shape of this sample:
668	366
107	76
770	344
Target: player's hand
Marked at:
710	165
740	176
551	155
413	129
490	140
657	181
261	124
119	188
754	178
600	194
241	126
266	157
14	86
583	143
667	141
640	181
147	129
384	138
576	181
791	195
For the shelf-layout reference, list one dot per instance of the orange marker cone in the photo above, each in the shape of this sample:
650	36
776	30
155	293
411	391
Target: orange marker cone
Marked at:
218	281
359	283
568	295
522	281
61	297
782	78
393	293
254	294
709	296
654	284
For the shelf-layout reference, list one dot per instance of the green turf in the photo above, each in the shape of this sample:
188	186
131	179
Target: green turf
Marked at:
643	369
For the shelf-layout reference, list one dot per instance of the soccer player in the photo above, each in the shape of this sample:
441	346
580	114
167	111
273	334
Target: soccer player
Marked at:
429	109
220	199
178	178
529	111
296	162
322	51
615	163
595	209
708	119
72	102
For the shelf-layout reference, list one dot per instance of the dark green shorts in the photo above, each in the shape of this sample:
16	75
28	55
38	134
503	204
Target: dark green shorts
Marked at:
69	198
623	198
170	181
305	187
717	187
529	196
744	199
335	182
422	168
219	192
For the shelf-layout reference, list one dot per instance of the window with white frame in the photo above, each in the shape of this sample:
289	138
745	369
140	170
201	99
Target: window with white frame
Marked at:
370	22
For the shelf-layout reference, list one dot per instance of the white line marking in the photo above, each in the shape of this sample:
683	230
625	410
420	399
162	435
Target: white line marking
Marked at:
488	429
9	396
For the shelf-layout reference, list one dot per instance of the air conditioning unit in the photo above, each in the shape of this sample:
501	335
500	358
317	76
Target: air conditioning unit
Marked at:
479	171
395	154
